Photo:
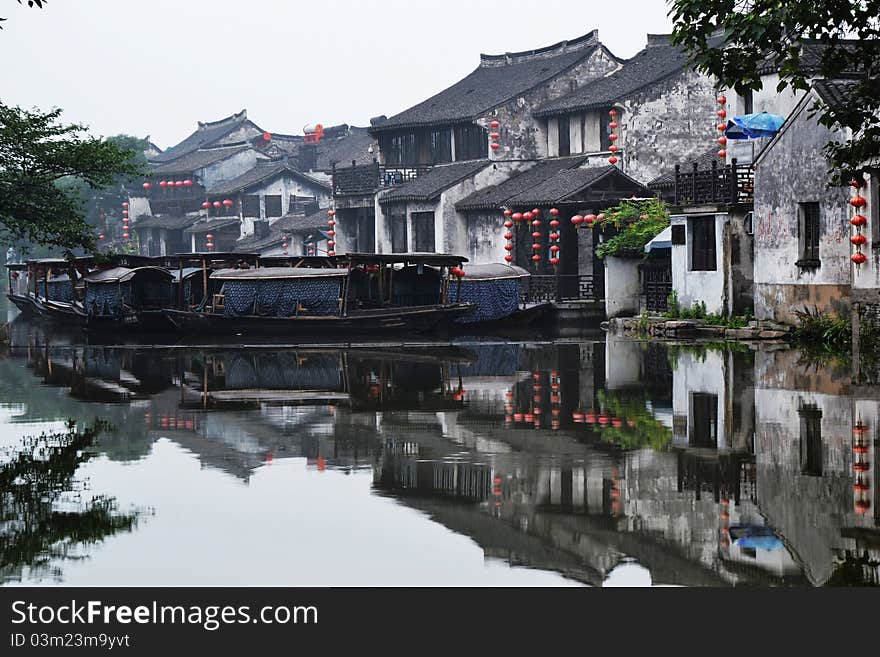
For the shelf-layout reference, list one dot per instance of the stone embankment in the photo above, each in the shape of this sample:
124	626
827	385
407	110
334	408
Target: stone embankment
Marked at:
660	327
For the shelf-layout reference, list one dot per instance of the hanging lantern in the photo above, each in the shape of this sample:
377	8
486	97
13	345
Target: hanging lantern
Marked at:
125	235
527	216
331	223
722	153
554	212
536	212
206	205
508	212
508	258
536	247
125	204
612	113
577	220
217	204
536	258
508	224
508	236
187	183
612	160
722	114
331	243
266	136
210	245
508	247
859	220
494	135
722	100
859	258
722	140
209	237
331	233
858	239
494	124
858	201
494	146
612	137
125	213
125	220
147	186
536	235
331	213
722	127
227	202
517	216
613	148
100	237
163	184
178	183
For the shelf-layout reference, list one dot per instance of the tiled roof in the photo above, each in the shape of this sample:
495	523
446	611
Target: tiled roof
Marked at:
252	243
197	160
206	134
563	184
207	225
835	93
299	224
262	171
430	185
648	67
811	55
345	147
166	221
497	195
497	79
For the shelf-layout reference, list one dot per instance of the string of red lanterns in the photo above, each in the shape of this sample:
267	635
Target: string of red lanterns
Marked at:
613	125
554	237
536	234
331	222
861	466
555	400
210	242
722	127
858	221
284	245
508	235
494	136
126	235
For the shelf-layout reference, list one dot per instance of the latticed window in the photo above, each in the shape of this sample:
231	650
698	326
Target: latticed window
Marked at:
809	232
397	220
703	257
423	232
471	142
273	205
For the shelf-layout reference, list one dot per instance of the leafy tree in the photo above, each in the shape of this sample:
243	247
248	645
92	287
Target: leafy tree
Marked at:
30	3
636	223
40	158
734	40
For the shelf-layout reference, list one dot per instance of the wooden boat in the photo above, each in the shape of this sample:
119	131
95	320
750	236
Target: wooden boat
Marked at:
294	301
16	291
496	290
132	298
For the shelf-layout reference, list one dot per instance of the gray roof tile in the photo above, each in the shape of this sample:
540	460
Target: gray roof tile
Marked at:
430	185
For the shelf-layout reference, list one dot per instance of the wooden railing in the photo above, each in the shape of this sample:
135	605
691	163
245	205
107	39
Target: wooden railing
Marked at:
368	178
564	287
731	183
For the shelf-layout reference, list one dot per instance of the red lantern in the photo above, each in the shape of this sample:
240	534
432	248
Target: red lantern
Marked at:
554	248
100	237
536	212
125	204
163	183
722	140
494	124
554	212
331	223
508	258
554	236
125	213
612	137
554	223
858	258
125	235
508	236
494	146
613	125
331	213
147	186
858	240
494	135
331	233
125	220
858	202
613	148
612	160
206	205
554	261
284	252
612	112
210	245
536	235
508	247
536	247
536	258
859	220
527	216
178	183
266	136
722	127
331	253
577	220
600	216
227	202
722	153
187	183
209	237
722	114
508	224
217	204
722	100
331	244
855	183
590	218
517	216
507	213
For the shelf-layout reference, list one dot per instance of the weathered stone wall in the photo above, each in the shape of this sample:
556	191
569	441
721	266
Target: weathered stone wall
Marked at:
523	136
740	269
792	171
707	286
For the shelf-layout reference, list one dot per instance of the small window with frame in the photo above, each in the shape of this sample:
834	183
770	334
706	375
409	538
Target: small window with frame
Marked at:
809	229
703	254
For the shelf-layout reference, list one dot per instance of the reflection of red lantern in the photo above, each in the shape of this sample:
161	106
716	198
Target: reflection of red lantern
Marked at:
217	204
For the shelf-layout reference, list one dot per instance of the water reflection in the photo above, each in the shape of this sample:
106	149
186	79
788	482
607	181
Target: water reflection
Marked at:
606	462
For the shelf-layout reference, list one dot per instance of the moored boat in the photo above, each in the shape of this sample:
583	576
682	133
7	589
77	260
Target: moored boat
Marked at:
16	291
121	296
496	290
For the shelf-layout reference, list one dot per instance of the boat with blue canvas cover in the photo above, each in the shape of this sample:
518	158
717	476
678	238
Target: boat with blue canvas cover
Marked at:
496	290
361	299
123	296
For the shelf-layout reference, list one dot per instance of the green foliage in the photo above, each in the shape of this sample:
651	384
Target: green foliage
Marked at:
45	169
638	426
698	311
816	328
636	222
734	41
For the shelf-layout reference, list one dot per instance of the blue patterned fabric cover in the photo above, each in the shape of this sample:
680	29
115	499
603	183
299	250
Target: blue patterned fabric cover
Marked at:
60	290
279	298
494	298
105	300
492	359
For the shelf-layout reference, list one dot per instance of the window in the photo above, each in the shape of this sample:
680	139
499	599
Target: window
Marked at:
811	440
564	136
250	206
704	430
273	205
397	219
703	244
748	102
423	232
471	142
400	149
809	234
440	146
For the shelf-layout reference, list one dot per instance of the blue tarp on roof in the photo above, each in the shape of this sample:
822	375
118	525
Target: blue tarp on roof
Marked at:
753	126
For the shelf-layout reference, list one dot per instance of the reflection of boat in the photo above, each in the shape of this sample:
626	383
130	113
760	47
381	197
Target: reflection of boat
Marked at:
316	302
496	291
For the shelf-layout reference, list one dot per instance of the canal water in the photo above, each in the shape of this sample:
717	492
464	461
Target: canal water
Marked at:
581	461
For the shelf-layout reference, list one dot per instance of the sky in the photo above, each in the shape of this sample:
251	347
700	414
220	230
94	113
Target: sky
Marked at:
156	68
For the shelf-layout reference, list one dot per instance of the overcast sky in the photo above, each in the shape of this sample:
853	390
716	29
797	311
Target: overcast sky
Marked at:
156	67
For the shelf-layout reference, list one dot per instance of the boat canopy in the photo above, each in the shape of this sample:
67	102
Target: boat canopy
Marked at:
16	266
435	259
178	275
276	273
123	274
493	271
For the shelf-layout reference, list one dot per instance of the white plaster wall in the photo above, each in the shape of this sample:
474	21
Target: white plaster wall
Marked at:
622	288
229	168
623	362
695	286
138	206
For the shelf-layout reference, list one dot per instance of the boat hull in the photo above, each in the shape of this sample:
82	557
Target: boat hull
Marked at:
521	318
363	323
23	303
57	311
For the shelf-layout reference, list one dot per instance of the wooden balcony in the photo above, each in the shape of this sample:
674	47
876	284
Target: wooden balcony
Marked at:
367	179
728	184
